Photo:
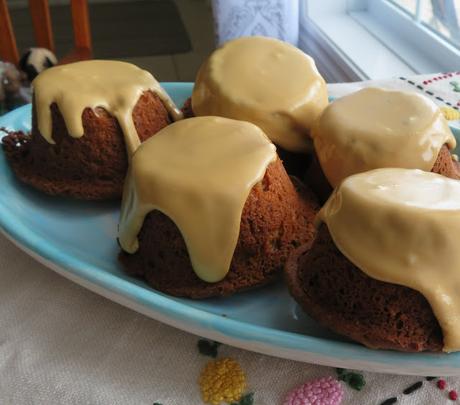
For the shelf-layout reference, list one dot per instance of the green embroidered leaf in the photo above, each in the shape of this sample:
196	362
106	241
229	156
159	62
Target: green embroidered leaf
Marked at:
208	348
456	86
247	399
356	381
353	380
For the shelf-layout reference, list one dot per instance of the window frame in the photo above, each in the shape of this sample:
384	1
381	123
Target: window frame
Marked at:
417	19
387	35
416	32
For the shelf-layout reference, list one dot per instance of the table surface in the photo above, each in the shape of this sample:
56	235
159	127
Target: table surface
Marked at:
62	344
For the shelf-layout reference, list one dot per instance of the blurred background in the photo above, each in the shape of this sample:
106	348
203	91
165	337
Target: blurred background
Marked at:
168	37
349	39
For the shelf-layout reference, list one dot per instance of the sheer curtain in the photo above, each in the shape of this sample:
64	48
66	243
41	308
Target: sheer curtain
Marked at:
272	18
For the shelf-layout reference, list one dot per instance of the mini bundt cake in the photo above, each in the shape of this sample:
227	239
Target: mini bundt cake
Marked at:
208	209
87	119
341	297
375	128
384	267
269	83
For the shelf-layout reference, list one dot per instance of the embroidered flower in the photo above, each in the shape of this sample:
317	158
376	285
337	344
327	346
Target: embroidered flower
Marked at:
222	381
322	391
450	113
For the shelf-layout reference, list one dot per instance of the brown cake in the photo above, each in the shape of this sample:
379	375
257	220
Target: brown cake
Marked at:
276	218
187	109
374	128
341	297
383	269
91	165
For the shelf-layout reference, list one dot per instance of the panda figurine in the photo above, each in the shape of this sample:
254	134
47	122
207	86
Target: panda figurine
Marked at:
36	60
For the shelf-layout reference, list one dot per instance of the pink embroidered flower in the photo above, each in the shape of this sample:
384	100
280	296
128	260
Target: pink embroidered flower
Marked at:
322	391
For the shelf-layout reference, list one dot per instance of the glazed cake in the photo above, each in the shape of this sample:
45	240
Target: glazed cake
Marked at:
269	83
375	128
384	269
88	118
208	209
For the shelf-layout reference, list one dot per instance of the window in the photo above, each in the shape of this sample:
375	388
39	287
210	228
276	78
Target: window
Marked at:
441	16
371	39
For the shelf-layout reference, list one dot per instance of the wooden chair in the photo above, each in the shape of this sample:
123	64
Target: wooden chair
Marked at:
41	21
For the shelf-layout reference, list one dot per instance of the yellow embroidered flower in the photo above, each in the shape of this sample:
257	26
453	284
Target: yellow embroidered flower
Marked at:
451	114
222	381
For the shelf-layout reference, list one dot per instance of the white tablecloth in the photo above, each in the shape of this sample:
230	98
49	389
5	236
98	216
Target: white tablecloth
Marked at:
61	344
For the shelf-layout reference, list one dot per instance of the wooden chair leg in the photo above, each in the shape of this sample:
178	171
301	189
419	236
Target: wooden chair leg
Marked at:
41	21
8	47
81	28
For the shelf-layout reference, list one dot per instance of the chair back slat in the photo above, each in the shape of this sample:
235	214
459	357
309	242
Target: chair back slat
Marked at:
80	21
41	21
8	47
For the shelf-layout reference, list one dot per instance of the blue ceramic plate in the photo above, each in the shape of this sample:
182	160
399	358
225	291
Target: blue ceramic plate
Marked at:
77	239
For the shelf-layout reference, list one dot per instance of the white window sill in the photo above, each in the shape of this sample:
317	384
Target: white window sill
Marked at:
413	58
350	47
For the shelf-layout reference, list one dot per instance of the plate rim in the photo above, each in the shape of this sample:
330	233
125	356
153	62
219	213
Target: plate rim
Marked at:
262	339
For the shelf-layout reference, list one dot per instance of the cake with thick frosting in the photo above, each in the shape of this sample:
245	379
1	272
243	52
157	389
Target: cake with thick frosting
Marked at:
88	118
269	83
375	128
209	210
384	269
